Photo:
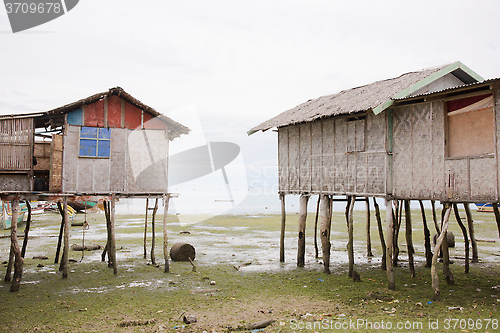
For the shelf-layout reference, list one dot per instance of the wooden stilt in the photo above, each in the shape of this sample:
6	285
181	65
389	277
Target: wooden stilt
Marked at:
397	227
153	233
470	223
497	216
316	229
302	230
326	223
380	233
409	239
61	231
18	259
439	241
448	276
283	221
10	264
368	224
390	232
427	237
434	217
26	230
65	255
350	244
107	250
112	244
165	238
146	228
464	233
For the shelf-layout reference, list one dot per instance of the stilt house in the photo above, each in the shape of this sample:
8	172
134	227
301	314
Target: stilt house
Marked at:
108	145
393	139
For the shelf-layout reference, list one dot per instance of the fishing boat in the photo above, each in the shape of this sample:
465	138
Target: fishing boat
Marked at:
7	215
484	207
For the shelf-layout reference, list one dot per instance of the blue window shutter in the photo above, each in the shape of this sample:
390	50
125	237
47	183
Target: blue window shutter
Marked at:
88	132
88	147
75	117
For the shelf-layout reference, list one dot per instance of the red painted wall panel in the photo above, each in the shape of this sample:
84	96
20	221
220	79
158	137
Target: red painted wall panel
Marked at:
114	111
94	114
151	122
132	116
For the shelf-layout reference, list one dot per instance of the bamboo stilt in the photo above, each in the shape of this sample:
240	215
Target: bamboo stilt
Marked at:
166	199
65	255
350	244
470	223
153	235
108	230
326	223
283	222
448	276
439	241
18	259
302	230
381	234
316	229
368	238
389	244
26	230
397	227
427	237
61	231
409	239
464	233
146	229
112	244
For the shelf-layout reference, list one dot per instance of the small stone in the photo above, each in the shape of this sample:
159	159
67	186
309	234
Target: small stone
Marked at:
212	283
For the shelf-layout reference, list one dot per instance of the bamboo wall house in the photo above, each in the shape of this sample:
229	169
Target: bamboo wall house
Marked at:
425	135
105	146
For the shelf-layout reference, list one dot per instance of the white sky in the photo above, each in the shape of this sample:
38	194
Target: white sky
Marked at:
238	63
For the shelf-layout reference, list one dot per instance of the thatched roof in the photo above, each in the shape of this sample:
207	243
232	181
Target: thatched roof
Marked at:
376	96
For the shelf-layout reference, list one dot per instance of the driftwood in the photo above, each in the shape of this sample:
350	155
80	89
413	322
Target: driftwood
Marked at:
439	241
78	247
301	252
380	233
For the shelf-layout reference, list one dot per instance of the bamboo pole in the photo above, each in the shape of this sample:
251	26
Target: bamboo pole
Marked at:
368	238
380	233
316	229
326	222
409	238
350	244
153	233
283	221
146	229
112	244
439	241
26	230
427	237
65	255
166	199
61	231
470	223
18	259
464	233
389	244
302	230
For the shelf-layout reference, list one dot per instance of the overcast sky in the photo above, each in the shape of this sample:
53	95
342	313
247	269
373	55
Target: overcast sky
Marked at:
238	63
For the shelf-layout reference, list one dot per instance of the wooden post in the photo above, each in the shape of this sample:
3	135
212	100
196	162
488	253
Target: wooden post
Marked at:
8	274
427	237
368	223
61	230
316	229
112	244
409	240
434	217
397	227
448	276
283	221
146	228
350	244
470	223
381	234
497	216
390	232
153	233
65	255
439	241
301	252
18	259
464	233
165	238
108	230
26	229
326	223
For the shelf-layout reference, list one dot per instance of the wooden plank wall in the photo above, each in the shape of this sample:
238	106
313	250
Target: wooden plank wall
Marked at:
137	163
56	152
315	157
